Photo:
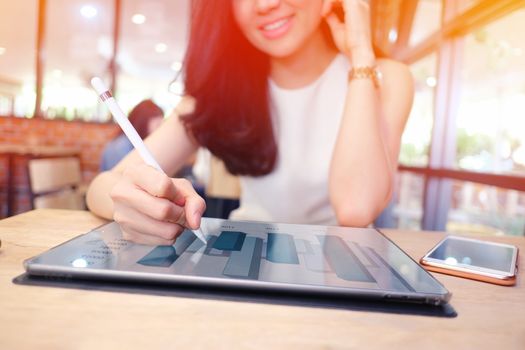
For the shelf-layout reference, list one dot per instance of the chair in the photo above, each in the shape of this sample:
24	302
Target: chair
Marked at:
221	183
56	183
222	191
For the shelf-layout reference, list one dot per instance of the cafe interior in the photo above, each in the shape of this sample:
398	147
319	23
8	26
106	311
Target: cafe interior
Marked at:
461	167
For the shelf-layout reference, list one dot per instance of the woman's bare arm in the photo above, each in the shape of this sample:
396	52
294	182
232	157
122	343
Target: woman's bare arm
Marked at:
169	144
367	147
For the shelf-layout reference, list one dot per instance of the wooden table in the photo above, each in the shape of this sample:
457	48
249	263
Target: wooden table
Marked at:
490	316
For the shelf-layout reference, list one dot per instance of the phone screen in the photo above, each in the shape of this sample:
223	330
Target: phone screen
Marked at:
487	255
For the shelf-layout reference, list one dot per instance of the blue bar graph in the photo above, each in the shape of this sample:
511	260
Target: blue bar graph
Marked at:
184	241
160	256
195	246
165	255
230	240
343	261
402	282
362	254
316	261
303	247
281	249
246	262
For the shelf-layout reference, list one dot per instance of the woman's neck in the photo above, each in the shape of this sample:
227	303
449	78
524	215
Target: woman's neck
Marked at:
305	65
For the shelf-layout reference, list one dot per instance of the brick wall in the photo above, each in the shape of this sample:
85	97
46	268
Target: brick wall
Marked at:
89	138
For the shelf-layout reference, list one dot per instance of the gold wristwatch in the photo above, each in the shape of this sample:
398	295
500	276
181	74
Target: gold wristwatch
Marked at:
366	72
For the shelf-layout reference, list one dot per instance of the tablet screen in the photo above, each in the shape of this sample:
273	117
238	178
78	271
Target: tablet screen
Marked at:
271	253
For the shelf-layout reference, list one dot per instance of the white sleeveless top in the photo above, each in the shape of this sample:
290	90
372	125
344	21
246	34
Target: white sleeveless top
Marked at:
306	124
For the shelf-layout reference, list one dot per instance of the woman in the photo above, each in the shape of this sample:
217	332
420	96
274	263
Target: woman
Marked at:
292	105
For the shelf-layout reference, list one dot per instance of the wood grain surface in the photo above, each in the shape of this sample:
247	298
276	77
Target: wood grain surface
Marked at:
33	317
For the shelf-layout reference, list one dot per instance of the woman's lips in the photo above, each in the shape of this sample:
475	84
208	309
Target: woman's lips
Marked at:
277	28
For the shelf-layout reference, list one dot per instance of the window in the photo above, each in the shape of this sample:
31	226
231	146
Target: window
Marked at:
17	58
151	48
78	46
408	201
415	144
418	131
486	210
491	119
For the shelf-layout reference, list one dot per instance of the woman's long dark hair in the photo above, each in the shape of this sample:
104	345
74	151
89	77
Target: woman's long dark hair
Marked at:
228	77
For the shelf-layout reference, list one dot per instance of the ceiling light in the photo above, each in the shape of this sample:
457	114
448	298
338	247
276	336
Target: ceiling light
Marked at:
2	50
88	11
161	48
431	81
176	66
138	18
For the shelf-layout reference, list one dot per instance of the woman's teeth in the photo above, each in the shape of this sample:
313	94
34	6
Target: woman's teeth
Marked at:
276	25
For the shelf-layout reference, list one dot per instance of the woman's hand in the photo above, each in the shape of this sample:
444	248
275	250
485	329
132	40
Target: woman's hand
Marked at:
152	208
352	37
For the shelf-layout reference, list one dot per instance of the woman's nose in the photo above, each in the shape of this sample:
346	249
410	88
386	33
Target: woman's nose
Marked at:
264	6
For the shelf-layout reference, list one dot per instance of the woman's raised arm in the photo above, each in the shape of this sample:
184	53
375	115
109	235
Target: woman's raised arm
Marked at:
151	207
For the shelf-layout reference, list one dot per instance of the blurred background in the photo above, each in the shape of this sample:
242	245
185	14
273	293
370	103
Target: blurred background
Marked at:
462	162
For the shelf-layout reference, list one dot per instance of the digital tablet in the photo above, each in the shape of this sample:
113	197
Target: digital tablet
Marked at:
288	258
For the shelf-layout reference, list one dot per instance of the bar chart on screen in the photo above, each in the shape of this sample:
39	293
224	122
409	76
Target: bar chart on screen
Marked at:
276	257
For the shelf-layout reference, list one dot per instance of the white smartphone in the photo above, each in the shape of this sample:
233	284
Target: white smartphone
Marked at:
475	259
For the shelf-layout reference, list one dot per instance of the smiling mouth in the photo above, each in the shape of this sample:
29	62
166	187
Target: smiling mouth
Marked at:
276	25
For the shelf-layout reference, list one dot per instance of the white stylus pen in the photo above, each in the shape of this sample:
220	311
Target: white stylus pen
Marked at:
129	130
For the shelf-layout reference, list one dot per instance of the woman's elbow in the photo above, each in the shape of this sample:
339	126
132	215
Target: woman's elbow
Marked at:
359	213
355	215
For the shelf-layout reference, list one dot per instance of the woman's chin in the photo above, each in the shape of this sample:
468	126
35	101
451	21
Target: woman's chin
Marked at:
279	51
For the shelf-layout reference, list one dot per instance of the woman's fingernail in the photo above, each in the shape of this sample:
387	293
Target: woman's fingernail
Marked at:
197	218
